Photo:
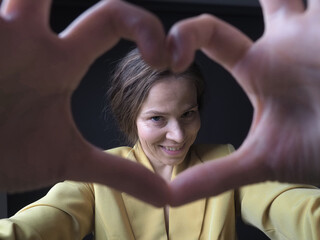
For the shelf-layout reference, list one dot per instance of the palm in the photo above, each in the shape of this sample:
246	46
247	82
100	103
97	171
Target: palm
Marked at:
280	74
286	105
40	143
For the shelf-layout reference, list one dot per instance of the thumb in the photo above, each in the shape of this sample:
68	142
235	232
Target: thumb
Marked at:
217	176
123	175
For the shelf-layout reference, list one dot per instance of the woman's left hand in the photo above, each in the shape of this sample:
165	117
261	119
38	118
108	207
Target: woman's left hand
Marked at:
280	73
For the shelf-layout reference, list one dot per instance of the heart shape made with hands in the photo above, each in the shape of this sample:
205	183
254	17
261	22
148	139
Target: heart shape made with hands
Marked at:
42	145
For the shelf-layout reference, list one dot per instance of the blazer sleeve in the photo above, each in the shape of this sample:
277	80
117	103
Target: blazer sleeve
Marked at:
66	212
282	211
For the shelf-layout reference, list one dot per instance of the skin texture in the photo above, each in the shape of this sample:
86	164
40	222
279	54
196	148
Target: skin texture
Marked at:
168	123
280	74
39	71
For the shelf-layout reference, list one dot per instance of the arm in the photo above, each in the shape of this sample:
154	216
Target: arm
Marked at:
280	74
66	212
282	211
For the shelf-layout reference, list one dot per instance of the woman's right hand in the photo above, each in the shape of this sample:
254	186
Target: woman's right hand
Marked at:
39	71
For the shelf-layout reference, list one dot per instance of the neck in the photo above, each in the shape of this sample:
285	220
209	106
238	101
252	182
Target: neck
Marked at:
164	171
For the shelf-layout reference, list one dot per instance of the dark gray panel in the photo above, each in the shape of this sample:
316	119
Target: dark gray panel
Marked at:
3	205
251	3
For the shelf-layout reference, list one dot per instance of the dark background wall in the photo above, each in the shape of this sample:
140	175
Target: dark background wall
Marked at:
227	113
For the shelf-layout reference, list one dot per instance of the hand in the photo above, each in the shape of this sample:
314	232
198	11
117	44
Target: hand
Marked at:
280	73
40	70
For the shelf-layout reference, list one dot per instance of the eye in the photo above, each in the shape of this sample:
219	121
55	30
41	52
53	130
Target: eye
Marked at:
188	114
156	119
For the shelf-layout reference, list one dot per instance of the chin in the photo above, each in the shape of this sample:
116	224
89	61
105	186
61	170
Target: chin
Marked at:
174	162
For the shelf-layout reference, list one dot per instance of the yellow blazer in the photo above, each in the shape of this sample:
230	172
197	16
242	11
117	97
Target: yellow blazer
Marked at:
71	210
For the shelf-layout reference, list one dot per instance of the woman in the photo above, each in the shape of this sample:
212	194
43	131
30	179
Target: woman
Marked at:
159	114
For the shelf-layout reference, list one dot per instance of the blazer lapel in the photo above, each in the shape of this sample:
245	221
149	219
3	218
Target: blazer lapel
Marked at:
147	222
185	222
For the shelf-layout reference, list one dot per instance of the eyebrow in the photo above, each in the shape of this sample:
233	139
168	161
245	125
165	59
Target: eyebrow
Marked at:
154	112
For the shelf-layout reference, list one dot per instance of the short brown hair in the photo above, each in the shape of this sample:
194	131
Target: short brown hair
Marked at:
130	85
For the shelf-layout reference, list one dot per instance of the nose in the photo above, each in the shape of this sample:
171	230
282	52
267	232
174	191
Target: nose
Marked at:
175	132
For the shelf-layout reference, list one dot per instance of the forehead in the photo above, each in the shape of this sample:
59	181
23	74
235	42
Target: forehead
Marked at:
171	91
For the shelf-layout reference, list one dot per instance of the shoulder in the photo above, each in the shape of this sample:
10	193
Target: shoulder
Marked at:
120	151
207	152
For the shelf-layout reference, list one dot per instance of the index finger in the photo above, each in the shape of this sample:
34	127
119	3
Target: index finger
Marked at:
102	26
35	10
217	39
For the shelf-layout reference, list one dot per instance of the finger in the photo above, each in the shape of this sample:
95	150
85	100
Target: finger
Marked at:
314	5
123	175
217	39
217	176
32	9
272	8
101	27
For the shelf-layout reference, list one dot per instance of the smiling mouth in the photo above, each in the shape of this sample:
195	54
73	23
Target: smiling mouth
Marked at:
172	149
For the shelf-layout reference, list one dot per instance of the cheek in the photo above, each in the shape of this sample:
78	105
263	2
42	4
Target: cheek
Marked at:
194	129
148	134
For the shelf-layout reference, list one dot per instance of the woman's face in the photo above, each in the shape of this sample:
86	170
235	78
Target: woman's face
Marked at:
169	121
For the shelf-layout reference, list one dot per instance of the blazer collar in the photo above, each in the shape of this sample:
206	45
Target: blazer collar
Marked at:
147	222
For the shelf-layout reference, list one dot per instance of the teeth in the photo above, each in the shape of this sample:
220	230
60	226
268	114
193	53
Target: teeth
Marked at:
172	149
